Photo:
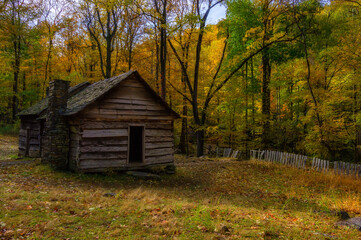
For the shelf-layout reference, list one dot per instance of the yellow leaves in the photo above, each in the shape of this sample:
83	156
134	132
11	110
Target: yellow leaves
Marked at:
253	33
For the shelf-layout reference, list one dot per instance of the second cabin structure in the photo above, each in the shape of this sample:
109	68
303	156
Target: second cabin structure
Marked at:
115	124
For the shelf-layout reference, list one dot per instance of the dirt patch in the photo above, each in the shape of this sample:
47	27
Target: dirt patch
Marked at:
8	148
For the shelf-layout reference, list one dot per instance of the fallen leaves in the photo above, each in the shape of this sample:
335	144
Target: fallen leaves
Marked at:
248	198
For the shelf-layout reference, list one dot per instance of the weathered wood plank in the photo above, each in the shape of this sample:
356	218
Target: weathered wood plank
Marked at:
161	159
102	163
132	83
105	117
156	145
104	133
234	154
32	141
119	100
159	126
33	133
22	147
132	93
103	125
130	112
227	152
104	141
31	125
150	139
104	156
156	132
33	147
159	152
103	149
123	106
116	124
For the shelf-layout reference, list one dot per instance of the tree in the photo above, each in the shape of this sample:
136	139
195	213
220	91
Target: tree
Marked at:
103	19
16	18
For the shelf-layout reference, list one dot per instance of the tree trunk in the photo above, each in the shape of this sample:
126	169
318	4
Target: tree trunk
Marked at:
200	141
16	71
47	64
108	67
130	52
247	132
253	103
23	90
183	144
266	98
162	11
163	59
157	68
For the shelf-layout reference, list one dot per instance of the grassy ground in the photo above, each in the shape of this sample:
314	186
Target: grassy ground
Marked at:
8	147
209	200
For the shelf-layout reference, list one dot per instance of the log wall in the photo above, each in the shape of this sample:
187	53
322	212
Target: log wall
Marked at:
30	138
130	101
74	146
103	130
103	145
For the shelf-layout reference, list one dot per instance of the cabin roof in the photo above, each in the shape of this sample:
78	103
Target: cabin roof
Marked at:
83	94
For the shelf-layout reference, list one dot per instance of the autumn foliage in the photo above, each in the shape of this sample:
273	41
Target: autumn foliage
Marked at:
273	74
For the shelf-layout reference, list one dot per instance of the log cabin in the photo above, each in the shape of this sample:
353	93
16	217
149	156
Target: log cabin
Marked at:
119	123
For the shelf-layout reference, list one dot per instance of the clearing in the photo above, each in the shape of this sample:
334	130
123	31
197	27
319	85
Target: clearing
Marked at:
8	147
205	199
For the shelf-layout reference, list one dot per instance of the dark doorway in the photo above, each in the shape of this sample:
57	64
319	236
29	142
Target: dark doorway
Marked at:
136	142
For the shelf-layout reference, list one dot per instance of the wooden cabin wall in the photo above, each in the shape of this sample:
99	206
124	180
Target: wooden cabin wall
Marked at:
74	130
104	126
103	145
30	137
159	142
130	101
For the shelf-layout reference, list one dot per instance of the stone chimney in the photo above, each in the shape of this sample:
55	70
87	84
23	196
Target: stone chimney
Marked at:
56	131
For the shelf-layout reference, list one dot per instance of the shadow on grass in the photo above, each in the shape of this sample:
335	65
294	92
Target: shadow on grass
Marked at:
241	184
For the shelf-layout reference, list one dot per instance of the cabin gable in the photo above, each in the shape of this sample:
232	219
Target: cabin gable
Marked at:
131	99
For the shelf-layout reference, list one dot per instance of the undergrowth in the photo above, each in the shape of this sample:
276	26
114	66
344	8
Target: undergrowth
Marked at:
10	129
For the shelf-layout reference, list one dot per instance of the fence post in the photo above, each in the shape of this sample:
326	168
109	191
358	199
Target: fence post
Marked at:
313	162
318	164
347	169
328	165
304	160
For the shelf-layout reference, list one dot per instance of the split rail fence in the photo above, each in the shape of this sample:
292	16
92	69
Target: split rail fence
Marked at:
301	161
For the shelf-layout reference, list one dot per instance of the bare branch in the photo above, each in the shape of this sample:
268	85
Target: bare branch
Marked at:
183	67
178	91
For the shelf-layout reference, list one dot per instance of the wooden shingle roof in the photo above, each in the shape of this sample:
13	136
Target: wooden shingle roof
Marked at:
78	100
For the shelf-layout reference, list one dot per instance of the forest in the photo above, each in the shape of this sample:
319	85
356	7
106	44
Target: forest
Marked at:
277	75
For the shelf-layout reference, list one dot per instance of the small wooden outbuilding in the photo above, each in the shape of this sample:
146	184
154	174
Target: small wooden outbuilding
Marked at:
119	123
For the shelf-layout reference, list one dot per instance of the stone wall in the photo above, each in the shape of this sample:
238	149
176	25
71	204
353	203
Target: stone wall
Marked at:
56	132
